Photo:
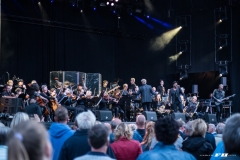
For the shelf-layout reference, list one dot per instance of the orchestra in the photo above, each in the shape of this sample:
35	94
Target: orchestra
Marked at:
131	100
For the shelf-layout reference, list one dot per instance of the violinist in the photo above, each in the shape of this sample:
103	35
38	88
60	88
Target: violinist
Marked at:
104	87
157	102
10	83
7	93
78	90
125	90
53	102
80	99
45	92
105	100
21	85
18	92
118	112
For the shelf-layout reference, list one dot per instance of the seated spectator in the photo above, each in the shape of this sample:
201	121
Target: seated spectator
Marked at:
231	137
166	130
188	128
196	144
220	127
29	141
210	138
150	134
98	140
181	125
114	123
136	135
124	147
212	129
59	131
33	108
77	145
18	118
108	127
141	124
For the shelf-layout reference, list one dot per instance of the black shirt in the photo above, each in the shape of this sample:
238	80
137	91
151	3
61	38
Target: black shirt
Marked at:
141	132
34	108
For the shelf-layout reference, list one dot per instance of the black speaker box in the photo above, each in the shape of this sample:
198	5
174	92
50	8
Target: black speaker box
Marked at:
11	105
210	118
104	115
150	116
179	116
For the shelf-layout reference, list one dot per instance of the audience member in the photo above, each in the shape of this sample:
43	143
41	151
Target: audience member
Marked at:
3	135
59	131
210	138
150	134
108	127
2	125
18	118
77	145
218	151
4	131
188	128
136	135
220	127
212	129
167	131
181	125
196	144
133	126
33	108
99	141
114	123
231	137
141	124
124	147
29	141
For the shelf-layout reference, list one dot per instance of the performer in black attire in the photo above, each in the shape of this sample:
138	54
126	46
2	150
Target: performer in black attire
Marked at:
124	92
133	85
161	88
146	92
21	85
218	94
45	93
7	92
174	97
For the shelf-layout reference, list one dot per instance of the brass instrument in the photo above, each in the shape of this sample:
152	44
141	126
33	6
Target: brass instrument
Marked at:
185	109
111	90
191	114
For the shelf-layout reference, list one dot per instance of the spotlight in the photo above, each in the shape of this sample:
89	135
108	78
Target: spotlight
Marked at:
81	11
107	3
220	47
94	5
119	17
116	0
180	53
39	3
220	75
73	4
94	8
220	20
51	1
112	4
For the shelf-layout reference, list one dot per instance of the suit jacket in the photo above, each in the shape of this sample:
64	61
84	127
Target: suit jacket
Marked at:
172	96
146	93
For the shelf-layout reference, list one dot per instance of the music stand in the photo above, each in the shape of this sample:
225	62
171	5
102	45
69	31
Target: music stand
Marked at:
134	109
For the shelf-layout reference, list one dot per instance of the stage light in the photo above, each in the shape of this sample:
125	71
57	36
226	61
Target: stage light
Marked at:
160	42
107	3
112	4
73	5
116	0
39	3
94	5
119	17
220	20
174	57
51	1
81	11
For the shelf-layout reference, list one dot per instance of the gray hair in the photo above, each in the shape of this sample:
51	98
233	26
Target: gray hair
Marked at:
144	81
18	118
220	128
188	128
85	120
231	135
199	128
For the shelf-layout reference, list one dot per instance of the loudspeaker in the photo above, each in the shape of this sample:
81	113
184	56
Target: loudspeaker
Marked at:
179	116
104	115
194	88
210	118
150	116
224	81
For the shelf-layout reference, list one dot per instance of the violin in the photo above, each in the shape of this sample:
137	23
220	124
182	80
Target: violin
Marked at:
43	104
